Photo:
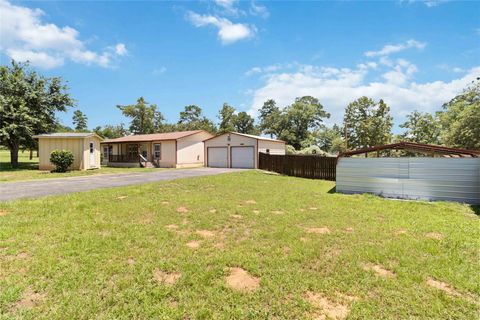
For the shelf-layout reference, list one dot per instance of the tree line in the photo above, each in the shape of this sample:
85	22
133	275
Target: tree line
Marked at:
29	103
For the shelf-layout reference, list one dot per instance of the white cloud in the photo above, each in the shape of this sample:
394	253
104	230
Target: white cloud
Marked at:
270	68
160	70
228	32
259	10
336	87
24	36
228	7
394	48
120	49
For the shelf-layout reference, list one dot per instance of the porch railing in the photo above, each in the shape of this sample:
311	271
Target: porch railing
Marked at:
123	158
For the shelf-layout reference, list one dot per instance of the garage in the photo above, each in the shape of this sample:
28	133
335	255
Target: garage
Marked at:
217	157
243	157
239	150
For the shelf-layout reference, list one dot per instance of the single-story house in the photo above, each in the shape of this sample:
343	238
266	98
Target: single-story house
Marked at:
239	150
84	146
162	150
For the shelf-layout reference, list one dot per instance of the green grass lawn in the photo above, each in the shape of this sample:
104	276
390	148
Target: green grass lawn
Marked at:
167	251
28	169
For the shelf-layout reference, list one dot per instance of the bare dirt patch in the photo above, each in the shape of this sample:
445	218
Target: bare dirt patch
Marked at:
3	213
251	202
30	299
451	291
169	279
277	212
320	230
379	270
182	210
122	197
313	208
165	202
240	280
434	235
212	210
400	232
327	307
349	229
205	233
131	261
256	211
236	216
171	227
193	244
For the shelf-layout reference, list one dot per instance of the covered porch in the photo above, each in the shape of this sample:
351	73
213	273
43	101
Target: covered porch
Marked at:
131	154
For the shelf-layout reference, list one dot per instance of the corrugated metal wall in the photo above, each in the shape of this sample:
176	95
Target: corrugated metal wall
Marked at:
452	179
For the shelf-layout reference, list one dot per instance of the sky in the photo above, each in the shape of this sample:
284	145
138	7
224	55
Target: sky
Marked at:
415	55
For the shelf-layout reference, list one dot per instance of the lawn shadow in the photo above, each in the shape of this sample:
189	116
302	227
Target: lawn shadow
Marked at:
333	190
476	209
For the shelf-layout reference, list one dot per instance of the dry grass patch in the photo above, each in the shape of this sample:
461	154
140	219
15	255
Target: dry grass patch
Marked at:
182	210
131	261
313	208
212	210
240	280
193	244
122	197
251	202
327	308
3	213
30	299
434	235
205	233
165	202
349	229
166	278
277	212
256	211
320	230
236	216
400	232
379	270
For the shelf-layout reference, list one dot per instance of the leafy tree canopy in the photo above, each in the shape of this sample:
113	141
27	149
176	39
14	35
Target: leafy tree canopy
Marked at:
28	103
421	128
79	120
145	117
191	118
368	123
112	131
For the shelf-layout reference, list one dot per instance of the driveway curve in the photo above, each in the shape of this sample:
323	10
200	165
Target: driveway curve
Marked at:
46	187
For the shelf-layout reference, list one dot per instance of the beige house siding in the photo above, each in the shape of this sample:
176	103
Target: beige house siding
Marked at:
78	146
167	153
274	147
190	150
235	141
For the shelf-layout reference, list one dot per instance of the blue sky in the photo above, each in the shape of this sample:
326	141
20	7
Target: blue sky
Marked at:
413	54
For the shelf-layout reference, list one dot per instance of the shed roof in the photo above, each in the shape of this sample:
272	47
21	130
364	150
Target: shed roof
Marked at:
248	136
68	135
419	147
154	136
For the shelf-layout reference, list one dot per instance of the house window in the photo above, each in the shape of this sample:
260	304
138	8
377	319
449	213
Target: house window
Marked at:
105	152
91	147
157	147
132	151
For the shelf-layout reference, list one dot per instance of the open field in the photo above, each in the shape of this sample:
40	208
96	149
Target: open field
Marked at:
235	246
28	169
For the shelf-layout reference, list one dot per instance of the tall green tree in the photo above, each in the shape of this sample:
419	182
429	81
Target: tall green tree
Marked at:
368	123
227	118
270	118
298	120
191	118
328	139
460	119
79	120
145	117
28	103
244	123
421	128
111	131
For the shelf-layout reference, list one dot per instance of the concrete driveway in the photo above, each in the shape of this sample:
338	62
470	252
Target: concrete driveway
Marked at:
45	187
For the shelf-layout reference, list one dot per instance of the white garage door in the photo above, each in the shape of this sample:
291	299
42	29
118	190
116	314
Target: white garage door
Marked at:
217	157
243	157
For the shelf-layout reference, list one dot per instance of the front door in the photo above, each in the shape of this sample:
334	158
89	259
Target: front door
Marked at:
92	155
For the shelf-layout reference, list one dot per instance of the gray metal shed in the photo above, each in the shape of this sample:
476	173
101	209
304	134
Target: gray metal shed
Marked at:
454	175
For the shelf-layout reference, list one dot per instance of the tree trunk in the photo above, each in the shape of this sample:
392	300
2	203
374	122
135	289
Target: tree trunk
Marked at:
31	154
14	155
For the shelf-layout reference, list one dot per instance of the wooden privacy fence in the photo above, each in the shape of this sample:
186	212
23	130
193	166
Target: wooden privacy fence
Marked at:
305	166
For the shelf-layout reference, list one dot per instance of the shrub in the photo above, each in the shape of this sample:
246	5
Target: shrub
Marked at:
62	159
